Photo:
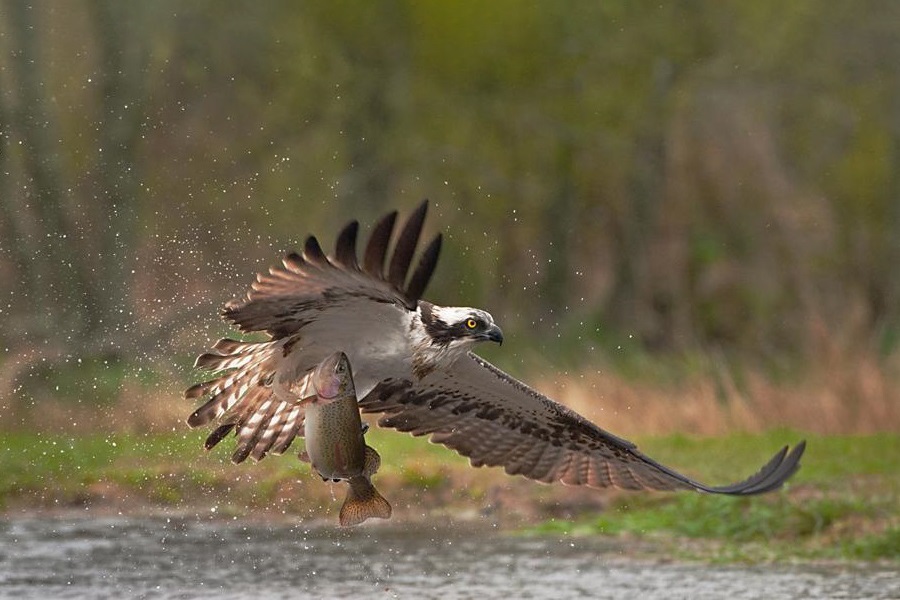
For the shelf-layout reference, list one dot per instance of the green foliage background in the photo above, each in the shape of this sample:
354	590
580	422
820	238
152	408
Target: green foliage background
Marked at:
712	176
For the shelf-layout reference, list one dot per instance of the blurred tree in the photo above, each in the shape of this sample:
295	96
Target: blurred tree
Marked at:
54	271
79	249
699	175
10	212
123	54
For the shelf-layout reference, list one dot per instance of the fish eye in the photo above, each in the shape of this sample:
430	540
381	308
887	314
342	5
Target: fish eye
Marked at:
471	324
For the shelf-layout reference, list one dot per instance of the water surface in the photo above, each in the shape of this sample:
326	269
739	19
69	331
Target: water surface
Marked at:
198	558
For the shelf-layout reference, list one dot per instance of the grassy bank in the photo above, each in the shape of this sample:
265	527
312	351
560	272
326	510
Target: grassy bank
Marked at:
844	503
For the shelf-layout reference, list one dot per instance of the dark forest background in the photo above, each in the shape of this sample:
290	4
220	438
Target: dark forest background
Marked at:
622	184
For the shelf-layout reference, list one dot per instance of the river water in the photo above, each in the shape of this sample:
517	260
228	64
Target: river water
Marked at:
199	558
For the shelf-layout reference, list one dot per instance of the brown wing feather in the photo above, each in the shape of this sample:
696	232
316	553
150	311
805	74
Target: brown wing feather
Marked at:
345	246
376	249
406	246
423	272
283	301
290	296
313	253
495	420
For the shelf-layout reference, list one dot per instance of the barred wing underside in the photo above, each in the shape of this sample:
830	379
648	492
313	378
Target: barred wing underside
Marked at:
495	420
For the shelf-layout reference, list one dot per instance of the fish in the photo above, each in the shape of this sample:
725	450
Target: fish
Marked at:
335	442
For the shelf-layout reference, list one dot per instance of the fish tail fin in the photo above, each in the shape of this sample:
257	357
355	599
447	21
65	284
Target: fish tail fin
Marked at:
363	502
372	462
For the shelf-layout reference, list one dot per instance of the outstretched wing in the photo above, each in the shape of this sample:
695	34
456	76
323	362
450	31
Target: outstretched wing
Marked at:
495	420
313	305
288	297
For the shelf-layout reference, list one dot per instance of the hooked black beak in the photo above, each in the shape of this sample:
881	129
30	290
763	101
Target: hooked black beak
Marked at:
495	334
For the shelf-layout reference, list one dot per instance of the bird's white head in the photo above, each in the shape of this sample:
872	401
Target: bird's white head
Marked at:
458	327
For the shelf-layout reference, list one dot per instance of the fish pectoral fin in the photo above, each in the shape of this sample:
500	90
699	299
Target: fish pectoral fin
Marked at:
304	456
363	502
372	462
304	402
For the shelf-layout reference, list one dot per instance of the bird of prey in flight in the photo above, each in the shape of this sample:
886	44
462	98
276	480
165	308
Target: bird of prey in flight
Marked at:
413	364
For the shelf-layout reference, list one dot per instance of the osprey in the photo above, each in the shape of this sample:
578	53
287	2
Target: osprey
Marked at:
412	363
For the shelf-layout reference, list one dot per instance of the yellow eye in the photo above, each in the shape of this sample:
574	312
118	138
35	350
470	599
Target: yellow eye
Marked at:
471	323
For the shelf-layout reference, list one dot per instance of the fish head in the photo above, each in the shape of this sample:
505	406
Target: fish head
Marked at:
332	378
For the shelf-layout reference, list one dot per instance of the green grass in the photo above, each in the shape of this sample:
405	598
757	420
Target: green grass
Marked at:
41	469
843	504
826	457
58	468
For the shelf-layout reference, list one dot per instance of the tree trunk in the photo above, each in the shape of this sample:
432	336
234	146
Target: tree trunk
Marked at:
14	241
123	59
558	218
60	284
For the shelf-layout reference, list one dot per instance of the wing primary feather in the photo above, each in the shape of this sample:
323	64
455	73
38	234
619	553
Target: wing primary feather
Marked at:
312	251
253	427
760	479
208	361
376	249
200	389
345	247
230	346
406	246
293	262
289	431
218	435
425	269
267	434
771	477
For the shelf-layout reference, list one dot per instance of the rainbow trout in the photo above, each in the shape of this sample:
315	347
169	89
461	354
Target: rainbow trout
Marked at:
335	446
